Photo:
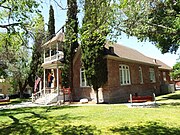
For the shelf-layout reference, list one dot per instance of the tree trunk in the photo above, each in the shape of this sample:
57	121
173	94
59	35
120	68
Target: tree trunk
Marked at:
97	96
22	88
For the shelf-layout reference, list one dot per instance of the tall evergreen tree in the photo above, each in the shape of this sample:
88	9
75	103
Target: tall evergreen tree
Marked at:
37	57
93	38
51	23
71	42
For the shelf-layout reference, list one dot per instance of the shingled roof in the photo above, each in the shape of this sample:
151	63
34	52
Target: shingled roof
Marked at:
58	38
126	53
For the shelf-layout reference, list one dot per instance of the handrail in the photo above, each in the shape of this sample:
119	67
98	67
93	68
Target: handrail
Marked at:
42	93
54	57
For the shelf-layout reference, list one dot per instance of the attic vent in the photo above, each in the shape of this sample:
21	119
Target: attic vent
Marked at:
111	49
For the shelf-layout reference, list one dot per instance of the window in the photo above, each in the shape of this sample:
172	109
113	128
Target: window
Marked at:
83	81
164	76
152	75
124	75
0	90
140	75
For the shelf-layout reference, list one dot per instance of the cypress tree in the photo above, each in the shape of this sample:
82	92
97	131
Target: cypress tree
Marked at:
93	38
51	23
71	43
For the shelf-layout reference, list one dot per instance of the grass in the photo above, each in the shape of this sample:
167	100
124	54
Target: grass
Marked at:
169	98
93	120
89	120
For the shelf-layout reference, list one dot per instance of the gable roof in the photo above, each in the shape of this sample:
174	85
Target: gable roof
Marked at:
163	65
58	38
129	54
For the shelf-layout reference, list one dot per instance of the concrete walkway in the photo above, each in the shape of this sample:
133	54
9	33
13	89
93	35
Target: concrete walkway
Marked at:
20	105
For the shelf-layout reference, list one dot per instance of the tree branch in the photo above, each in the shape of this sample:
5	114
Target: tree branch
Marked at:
5	7
60	5
161	26
3	1
8	25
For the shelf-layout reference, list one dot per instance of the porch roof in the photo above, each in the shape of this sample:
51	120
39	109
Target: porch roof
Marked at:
52	64
58	38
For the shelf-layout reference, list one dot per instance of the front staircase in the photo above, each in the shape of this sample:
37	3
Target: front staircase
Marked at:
46	97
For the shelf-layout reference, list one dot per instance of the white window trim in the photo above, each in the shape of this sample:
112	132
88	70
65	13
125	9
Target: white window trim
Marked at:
164	76
151	70
85	81
127	72
141	75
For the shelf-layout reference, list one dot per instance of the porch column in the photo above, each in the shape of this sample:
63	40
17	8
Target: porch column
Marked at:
50	52
57	51
57	79
44	87
40	87
44	55
57	69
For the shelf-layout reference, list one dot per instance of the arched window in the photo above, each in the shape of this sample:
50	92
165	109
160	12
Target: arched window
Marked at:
140	75
83	81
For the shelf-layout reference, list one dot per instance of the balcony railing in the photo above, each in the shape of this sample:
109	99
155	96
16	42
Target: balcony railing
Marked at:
55	57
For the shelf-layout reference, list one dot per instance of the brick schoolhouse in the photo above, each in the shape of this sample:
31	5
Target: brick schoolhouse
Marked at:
129	72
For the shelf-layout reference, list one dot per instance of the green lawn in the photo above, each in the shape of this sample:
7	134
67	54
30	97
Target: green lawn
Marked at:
94	120
169	98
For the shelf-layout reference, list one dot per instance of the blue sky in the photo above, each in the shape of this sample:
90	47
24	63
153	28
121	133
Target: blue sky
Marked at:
145	48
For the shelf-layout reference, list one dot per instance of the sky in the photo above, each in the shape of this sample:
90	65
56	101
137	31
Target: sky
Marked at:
145	48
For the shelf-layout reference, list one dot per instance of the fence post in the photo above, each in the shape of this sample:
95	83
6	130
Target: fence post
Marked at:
131	98
154	96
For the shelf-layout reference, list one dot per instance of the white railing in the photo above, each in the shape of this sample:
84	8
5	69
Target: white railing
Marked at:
43	93
55	57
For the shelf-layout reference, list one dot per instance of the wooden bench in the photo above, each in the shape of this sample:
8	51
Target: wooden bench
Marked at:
140	99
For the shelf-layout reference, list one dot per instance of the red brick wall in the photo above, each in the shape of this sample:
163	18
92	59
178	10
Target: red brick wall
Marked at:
120	93
79	92
168	78
113	92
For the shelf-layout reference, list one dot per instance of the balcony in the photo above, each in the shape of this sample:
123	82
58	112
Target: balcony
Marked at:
59	55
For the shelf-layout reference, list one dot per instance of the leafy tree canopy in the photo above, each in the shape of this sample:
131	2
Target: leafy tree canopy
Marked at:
176	71
15	17
155	20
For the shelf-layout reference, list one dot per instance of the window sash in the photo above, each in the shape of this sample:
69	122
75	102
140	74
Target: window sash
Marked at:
140	75
124	75
152	75
164	76
83	81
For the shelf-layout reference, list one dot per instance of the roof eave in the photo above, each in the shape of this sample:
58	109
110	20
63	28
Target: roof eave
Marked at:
129	60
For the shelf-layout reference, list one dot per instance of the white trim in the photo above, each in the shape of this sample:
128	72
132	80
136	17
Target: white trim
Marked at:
141	75
164	76
152	75
85	81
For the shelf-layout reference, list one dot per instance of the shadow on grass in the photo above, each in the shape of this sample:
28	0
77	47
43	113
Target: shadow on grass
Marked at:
79	130
18	127
177	96
150	128
170	105
37	121
173	96
51	108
